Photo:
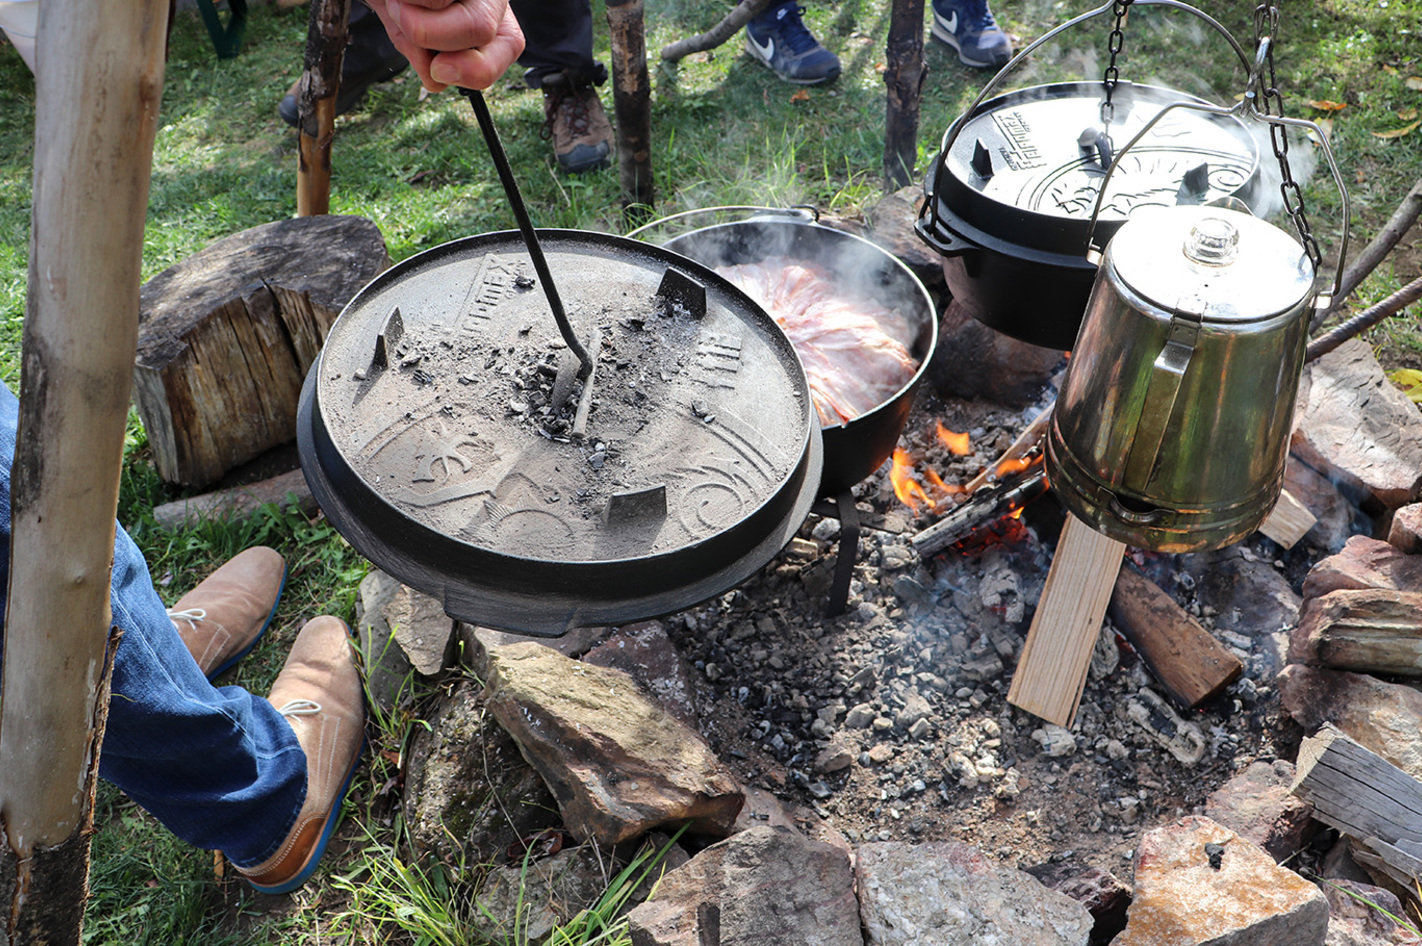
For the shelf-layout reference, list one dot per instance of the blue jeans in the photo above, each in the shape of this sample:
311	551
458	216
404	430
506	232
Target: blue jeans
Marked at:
219	767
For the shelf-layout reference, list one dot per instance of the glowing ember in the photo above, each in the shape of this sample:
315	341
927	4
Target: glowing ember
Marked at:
957	444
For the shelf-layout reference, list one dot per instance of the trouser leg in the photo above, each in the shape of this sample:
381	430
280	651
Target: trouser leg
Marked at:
558	37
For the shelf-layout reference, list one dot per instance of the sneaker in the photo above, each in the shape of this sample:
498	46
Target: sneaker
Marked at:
222	619
319	693
779	39
968	26
577	125
369	59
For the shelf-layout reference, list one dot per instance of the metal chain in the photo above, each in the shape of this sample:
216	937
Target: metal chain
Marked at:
1114	44
1266	27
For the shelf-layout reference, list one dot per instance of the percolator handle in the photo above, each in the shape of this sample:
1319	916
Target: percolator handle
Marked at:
1167	374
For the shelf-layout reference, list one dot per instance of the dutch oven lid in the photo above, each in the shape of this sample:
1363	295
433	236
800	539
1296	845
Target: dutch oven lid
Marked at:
1223	265
1027	166
435	433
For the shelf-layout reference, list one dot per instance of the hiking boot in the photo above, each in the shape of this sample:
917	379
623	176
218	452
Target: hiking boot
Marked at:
968	26
222	619
370	58
577	125
319	693
779	39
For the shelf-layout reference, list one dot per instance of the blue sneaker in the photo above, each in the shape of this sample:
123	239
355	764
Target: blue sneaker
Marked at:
779	39
968	26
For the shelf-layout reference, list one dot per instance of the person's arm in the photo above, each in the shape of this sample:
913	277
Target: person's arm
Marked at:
468	43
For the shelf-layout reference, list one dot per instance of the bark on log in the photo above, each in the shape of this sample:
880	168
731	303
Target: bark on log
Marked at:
1365	320
99	83
229	333
632	105
316	103
1368	631
1191	665
903	74
744	12
1365	797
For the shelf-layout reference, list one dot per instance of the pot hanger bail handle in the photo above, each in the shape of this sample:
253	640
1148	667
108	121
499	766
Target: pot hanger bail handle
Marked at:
525	226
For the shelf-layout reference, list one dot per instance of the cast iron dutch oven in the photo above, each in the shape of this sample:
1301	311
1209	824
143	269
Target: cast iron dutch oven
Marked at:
1009	202
855	449
435	431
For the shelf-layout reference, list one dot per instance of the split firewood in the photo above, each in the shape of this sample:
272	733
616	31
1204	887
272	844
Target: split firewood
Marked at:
1051	672
1186	659
984	507
238	502
1370	630
744	12
1289	521
227	336
1364	796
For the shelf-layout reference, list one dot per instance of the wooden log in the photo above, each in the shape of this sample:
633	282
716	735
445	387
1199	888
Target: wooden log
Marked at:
904	72
1191	665
1364	796
229	333
632	105
743	13
1372	630
1289	521
316	103
1374	253
237	502
1364	320
1051	672
98	86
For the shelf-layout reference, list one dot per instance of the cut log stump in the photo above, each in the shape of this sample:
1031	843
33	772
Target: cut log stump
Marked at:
226	337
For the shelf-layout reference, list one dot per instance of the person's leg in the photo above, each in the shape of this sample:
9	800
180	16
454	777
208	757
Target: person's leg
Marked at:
558	58
969	27
778	38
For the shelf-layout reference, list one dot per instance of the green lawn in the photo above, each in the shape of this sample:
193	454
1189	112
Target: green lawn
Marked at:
725	132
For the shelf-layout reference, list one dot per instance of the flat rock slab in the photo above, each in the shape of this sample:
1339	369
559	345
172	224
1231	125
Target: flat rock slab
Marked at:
1200	884
1406	530
1258	805
616	761
1337	517
1383	717
760	887
1249	596
399	616
1364	563
947	894
645	653
1357	427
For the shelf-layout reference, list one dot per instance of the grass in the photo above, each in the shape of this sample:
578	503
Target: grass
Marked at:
725	132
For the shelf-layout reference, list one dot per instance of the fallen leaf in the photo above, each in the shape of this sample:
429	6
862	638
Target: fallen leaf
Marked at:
1410	380
1324	105
1407	114
1398	132
1414	83
801	96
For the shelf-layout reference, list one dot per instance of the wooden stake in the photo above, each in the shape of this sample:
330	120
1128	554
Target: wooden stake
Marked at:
1051	673
903	75
1289	522
632	105
316	103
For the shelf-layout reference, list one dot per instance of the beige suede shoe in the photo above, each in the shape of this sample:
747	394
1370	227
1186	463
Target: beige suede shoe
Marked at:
319	693
224	616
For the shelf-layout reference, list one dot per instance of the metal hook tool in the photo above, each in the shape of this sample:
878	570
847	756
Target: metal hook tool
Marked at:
525	226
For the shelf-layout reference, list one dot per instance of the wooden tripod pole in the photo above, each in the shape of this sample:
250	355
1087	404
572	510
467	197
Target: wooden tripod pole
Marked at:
316	104
99	83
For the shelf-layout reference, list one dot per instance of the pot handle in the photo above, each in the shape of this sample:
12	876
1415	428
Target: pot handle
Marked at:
1167	373
799	211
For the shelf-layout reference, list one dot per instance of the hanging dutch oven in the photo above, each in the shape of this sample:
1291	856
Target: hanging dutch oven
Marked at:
1172	427
435	432
1009	202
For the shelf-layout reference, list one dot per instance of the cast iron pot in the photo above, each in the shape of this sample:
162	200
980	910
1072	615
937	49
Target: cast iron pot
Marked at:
420	440
1010	202
856	449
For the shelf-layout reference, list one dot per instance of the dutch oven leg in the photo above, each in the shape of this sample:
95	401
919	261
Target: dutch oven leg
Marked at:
848	552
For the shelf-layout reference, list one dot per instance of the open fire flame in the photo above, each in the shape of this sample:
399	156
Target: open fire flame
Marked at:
923	489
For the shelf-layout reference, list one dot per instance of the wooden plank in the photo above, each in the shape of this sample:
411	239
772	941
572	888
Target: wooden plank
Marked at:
1373	630
1185	658
1363	795
1289	521
1051	672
